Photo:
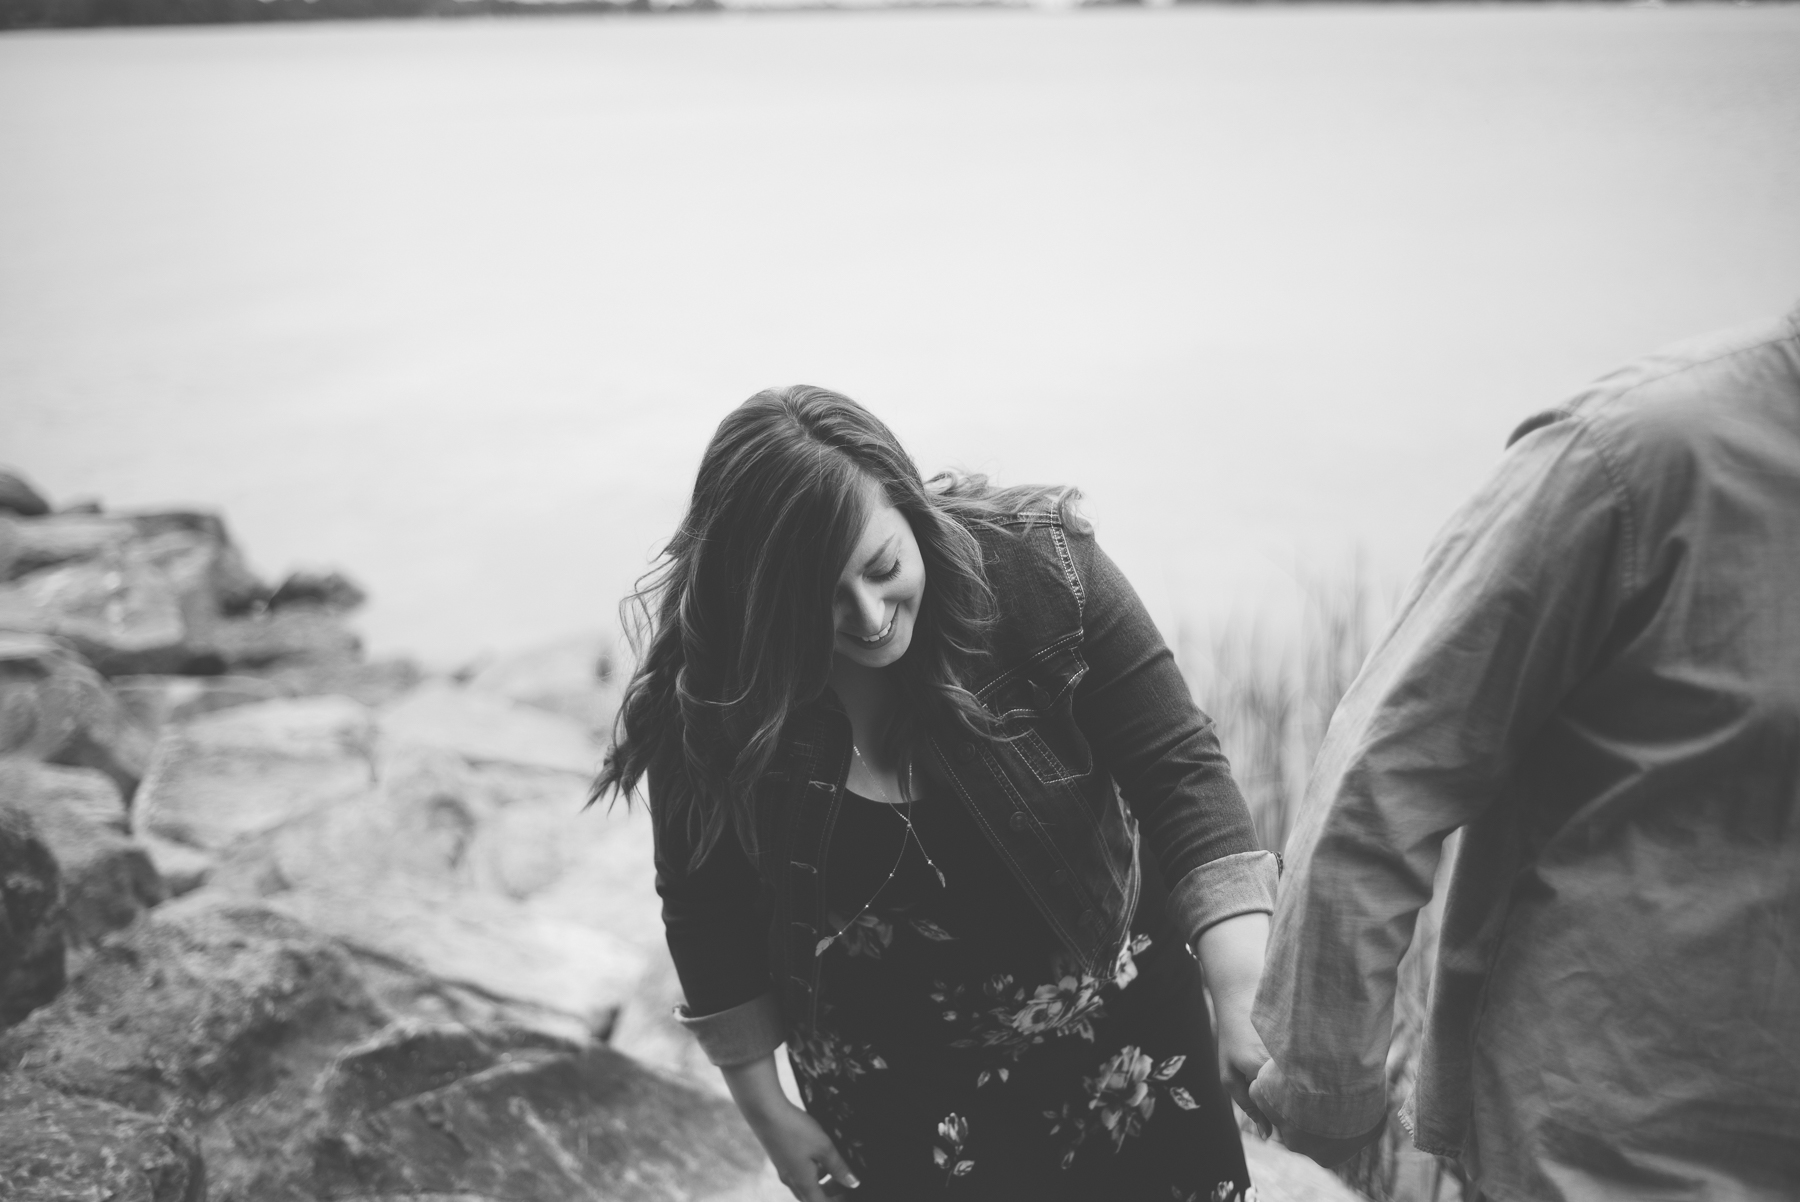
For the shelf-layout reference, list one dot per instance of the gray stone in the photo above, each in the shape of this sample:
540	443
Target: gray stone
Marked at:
239	771
547	1127
440	866
18	496
58	1148
54	707
331	591
133	594
280	637
32	949
263	1038
108	880
154	702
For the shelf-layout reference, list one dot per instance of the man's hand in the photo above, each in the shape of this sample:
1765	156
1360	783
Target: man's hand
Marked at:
1329	1151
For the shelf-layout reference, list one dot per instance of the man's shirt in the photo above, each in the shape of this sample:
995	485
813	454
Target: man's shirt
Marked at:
1597	673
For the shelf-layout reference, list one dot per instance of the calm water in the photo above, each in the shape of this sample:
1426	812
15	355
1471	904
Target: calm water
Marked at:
454	305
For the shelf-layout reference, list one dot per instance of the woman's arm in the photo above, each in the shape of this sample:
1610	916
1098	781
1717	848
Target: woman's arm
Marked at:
798	1146
1231	955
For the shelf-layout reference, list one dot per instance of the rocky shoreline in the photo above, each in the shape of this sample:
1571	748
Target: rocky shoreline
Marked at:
279	922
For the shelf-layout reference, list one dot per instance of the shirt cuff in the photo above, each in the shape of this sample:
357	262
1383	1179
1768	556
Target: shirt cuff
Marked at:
1341	1114
748	1031
1224	888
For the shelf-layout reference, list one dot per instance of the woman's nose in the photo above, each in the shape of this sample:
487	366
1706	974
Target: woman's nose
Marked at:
866	610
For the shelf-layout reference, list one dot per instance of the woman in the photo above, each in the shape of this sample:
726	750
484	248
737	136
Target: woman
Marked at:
886	728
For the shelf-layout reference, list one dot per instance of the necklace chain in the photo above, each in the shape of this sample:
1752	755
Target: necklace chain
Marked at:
912	834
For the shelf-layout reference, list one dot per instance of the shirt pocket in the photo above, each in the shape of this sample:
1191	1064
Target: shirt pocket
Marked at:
1035	706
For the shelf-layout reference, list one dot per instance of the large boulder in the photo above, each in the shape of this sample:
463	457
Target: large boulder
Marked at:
57	1148
133	593
108	880
543	1125
240	771
54	707
262	1038
32	949
464	870
18	496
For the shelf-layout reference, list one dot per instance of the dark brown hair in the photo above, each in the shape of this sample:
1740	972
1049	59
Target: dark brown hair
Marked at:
733	627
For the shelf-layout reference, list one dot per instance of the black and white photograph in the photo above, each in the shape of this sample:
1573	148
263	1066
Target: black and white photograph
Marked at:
899	600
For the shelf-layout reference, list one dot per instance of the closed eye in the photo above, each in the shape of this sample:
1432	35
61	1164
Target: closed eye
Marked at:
887	573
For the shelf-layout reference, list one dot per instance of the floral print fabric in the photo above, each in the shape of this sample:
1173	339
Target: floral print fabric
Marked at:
959	1055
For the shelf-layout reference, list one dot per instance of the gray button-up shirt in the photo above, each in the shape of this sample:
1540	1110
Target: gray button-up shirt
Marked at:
1597	674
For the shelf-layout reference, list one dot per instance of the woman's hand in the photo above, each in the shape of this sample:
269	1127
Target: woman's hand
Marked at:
801	1151
1241	1052
1231	955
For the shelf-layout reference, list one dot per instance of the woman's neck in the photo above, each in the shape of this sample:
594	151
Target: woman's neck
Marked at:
868	696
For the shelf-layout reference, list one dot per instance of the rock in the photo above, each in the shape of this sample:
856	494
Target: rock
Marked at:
54	707
134	594
439	866
581	677
548	1127
108	880
154	702
31	546
243	770
17	495
261	1037
483	727
58	1148
279	637
32	963
216	1002
183	869
331	591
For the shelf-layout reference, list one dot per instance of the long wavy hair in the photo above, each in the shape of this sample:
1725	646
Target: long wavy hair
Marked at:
733	626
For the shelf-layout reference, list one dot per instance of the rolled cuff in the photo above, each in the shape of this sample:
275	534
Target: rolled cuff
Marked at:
745	1032
1243	883
1341	1114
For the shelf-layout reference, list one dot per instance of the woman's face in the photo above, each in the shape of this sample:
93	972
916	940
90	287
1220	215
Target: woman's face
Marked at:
878	594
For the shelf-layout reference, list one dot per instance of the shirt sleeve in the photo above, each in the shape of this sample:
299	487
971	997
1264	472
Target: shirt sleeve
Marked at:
1508	614
717	931
1135	708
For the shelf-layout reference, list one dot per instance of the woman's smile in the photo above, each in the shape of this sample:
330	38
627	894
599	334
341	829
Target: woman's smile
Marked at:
877	639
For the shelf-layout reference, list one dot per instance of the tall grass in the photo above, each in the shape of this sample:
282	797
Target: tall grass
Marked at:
1272	695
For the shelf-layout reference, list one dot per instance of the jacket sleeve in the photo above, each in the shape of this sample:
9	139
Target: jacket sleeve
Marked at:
1135	709
717	931
1507	615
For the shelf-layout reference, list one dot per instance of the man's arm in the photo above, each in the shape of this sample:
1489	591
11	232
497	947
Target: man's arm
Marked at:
1507	615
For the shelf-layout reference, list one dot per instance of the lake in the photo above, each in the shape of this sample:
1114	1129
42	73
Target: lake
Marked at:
454	305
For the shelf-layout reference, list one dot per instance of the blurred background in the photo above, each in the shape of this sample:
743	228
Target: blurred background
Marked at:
453	305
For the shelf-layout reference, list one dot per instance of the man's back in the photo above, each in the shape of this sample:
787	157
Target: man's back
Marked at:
1598	672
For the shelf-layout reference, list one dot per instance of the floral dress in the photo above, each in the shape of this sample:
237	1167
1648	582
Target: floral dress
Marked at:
959	1055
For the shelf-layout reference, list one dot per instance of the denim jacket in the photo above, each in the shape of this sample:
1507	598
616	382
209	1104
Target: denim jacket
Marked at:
1101	741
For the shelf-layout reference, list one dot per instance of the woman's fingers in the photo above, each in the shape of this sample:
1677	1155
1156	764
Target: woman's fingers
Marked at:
834	1164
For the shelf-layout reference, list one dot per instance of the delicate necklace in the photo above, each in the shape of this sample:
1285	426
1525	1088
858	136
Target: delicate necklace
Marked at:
911	833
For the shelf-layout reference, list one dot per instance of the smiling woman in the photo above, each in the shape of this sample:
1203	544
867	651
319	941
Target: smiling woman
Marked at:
901	739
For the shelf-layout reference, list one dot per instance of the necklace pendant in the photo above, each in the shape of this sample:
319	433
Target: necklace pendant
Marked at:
942	883
822	945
